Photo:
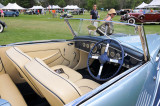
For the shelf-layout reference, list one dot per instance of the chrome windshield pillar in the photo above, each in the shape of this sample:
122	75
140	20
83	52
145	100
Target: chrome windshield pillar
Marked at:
144	42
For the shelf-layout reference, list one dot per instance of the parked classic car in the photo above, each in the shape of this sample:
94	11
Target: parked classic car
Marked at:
122	69
66	16
123	11
77	12
11	13
29	12
2	26
141	18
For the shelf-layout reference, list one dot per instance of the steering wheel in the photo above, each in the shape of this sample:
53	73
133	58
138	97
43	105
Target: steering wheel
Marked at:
105	58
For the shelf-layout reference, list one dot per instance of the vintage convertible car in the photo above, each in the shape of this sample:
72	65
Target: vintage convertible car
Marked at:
119	69
141	18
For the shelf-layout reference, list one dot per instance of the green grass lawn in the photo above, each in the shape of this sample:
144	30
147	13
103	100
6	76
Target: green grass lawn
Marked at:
44	27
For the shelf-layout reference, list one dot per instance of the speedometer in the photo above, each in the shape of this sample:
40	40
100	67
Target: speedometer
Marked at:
95	48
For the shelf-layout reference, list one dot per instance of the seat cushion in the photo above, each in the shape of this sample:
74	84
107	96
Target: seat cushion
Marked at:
9	91
86	85
69	73
56	89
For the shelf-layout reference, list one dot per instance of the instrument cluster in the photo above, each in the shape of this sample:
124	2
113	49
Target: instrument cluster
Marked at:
112	52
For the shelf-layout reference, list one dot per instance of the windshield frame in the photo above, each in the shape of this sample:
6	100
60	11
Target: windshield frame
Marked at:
140	29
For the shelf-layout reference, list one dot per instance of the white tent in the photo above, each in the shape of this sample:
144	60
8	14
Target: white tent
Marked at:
154	4
37	7
71	7
13	6
143	5
53	7
1	6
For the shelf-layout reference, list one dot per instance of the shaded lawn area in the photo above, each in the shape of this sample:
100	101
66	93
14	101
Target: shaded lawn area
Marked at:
44	27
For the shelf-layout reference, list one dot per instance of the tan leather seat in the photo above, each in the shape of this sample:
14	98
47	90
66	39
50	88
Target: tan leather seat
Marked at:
19	59
57	89
69	73
9	91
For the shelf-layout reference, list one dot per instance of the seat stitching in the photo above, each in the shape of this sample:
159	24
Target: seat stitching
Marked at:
23	73
87	87
45	86
58	76
22	53
65	74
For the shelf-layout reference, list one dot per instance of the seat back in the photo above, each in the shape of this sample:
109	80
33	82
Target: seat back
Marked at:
56	89
19	59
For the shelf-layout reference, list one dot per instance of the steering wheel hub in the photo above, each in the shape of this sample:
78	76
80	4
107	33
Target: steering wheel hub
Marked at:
103	59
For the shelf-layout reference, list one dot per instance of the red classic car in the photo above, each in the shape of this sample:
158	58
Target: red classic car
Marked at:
141	18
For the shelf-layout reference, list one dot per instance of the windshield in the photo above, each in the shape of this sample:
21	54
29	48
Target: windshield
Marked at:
125	33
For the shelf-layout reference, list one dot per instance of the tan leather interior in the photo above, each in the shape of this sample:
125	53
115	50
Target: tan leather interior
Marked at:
69	73
57	89
19	59
61	53
49	53
9	91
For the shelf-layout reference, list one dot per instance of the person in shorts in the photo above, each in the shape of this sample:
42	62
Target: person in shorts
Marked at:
2	13
94	15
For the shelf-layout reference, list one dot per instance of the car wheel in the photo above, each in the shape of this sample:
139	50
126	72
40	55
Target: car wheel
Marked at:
131	21
141	17
1	28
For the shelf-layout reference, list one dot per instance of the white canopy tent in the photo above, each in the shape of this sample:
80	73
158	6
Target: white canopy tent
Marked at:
13	6
154	4
53	7
1	6
37	7
71	7
143	5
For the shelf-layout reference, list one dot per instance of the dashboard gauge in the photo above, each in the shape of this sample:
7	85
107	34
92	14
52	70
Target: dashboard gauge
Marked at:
91	45
112	54
103	50
118	56
95	48
87	46
99	46
83	44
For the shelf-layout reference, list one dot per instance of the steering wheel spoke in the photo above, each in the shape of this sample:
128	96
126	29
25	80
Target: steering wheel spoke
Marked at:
94	57
100	71
115	61
107	46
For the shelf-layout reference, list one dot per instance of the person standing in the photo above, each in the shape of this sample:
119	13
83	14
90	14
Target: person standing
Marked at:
94	16
94	13
111	14
109	25
2	13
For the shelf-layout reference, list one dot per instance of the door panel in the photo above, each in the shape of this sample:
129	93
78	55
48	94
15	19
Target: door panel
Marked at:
43	54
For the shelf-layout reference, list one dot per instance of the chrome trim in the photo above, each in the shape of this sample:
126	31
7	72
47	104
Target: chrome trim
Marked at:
144	42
